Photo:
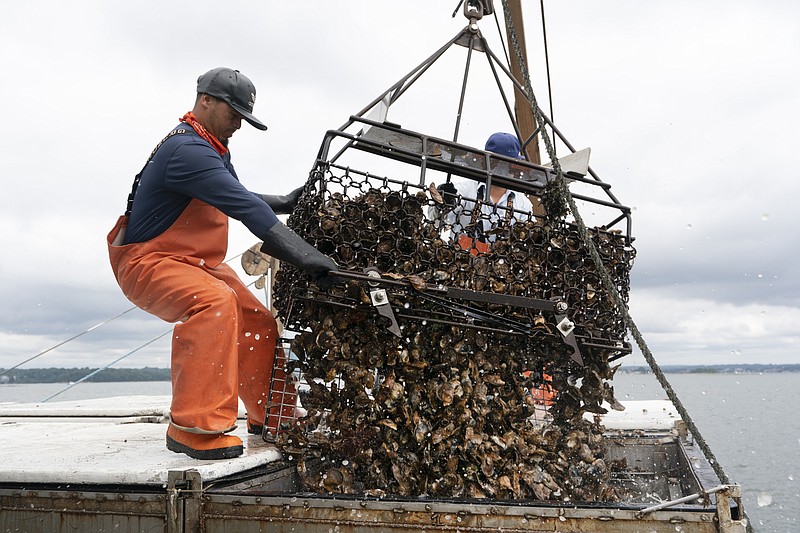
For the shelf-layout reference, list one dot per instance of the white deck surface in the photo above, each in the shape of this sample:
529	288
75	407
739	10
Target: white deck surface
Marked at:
110	440
122	441
642	415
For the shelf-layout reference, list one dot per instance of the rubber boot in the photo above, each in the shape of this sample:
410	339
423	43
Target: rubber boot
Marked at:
204	446
254	428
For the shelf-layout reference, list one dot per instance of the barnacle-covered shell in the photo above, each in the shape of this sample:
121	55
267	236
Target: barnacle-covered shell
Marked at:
451	407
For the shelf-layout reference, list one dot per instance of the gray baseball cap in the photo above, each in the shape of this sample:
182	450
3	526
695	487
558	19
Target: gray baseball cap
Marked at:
234	88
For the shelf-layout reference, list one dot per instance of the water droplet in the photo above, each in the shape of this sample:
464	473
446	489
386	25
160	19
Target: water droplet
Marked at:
688	226
765	217
764	499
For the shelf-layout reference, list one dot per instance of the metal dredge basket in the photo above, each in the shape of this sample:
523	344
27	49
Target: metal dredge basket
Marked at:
401	228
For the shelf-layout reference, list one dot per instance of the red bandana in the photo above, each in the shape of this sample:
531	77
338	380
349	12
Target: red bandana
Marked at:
190	119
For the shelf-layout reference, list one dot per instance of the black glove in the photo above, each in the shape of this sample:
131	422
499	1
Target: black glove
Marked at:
284	203
449	193
286	245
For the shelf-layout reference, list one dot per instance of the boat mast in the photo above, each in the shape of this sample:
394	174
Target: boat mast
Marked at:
522	107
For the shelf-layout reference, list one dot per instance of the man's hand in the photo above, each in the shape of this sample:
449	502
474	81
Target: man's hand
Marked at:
449	193
283	204
286	245
325	281
293	197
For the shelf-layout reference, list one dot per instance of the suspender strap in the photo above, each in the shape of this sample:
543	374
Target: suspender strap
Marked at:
478	231
510	208
138	177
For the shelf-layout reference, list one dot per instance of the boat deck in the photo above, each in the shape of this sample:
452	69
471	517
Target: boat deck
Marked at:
102	465
120	441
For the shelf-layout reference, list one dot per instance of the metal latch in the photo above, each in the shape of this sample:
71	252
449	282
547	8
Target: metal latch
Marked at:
565	326
380	300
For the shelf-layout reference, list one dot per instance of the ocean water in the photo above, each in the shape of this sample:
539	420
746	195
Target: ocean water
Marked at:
750	421
38	392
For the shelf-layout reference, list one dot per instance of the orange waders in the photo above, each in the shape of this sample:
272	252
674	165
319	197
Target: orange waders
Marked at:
224	340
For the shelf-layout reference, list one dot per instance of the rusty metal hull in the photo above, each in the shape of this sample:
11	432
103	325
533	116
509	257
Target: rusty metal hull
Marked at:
32	512
314	515
663	466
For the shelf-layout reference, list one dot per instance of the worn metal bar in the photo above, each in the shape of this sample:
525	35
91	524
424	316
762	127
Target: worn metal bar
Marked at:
418	70
461	294
433	318
509	109
399	87
471	173
472	39
685	499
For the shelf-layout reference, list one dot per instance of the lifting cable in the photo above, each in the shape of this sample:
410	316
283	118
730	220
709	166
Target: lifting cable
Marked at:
115	361
547	63
565	195
103	323
546	55
6	371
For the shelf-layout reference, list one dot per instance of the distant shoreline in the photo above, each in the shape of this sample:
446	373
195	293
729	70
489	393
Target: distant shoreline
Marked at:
112	375
715	369
71	375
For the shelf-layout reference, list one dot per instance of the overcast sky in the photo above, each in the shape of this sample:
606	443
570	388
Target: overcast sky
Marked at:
690	109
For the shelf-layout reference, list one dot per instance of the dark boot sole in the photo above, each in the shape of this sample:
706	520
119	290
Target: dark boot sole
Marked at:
216	453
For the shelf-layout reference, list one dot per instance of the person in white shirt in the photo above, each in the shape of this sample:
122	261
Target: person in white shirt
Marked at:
473	227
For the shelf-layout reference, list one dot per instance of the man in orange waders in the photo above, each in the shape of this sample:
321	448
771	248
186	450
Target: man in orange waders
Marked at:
167	254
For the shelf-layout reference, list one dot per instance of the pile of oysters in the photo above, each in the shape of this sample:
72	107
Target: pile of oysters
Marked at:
444	398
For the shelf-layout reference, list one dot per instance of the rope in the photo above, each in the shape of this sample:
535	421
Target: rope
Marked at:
547	62
103	323
502	40
565	195
66	341
84	378
112	363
